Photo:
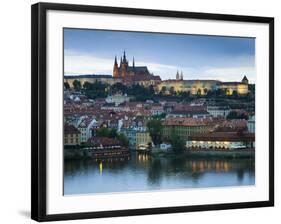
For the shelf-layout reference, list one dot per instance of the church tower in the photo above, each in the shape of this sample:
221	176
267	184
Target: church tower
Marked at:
124	66
181	76
115	69
177	75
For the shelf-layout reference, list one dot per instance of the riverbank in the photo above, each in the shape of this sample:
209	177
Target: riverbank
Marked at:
80	153
245	153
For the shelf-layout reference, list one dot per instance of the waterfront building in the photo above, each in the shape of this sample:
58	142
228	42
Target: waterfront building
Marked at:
105	147
71	135
143	140
184	127
221	140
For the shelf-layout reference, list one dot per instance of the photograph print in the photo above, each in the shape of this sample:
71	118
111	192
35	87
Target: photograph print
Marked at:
150	111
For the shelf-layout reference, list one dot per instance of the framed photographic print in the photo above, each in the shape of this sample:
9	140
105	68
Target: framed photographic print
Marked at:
139	111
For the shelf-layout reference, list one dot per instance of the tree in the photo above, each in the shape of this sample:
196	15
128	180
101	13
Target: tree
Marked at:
151	90
95	90
236	115
66	85
112	133
118	87
155	130
199	92
234	94
87	85
205	91
163	90
102	132
172	91
178	144
76	85
123	139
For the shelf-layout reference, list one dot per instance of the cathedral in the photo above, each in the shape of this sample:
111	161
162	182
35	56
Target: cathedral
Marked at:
133	74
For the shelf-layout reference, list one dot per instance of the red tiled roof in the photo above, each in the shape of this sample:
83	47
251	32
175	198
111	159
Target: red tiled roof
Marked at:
70	129
185	122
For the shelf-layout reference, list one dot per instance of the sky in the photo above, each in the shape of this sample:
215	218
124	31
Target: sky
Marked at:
88	51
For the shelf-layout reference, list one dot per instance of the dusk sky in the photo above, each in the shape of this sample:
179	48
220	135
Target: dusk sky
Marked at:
197	56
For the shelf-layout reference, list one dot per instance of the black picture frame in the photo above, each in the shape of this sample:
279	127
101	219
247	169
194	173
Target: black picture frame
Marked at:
39	122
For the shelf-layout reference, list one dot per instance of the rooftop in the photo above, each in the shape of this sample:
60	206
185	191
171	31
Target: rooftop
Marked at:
185	122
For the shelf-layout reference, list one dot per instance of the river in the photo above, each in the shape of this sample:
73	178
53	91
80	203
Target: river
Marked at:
142	173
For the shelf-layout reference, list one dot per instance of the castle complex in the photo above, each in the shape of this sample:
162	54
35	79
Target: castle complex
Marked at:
132	75
201	87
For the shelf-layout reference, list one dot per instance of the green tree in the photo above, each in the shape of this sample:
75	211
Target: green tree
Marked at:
76	85
205	91
234	94
163	90
112	133
123	139
66	85
95	90
236	115
118	87
172	91
87	85
102	132
178	144
155	130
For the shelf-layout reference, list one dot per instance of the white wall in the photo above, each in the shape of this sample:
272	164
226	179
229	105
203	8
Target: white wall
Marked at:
15	110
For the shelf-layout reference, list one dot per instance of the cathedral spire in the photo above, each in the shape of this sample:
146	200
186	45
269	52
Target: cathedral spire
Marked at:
177	75
124	57
115	61
133	61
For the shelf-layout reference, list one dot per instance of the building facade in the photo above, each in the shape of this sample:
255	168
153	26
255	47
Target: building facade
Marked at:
71	135
218	111
183	127
201	87
221	140
143	140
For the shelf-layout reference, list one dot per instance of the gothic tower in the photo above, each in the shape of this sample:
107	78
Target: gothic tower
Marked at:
115	69
181	76
124	66
177	75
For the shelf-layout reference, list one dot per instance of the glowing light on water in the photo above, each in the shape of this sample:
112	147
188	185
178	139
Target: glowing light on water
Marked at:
100	166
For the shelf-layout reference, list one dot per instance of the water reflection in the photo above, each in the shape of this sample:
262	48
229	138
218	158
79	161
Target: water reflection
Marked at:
141	172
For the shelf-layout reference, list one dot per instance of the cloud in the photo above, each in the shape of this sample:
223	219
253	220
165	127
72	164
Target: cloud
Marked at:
77	63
